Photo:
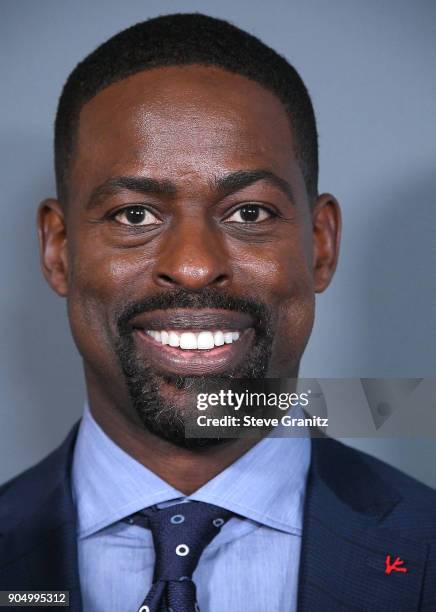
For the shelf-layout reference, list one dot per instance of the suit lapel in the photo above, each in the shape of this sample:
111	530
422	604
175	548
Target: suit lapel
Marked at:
38	542
345	545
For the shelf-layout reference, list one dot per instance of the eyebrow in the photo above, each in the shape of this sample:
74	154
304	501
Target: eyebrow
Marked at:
225	185
235	181
140	184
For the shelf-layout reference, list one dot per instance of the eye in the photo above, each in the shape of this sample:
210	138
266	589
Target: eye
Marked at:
136	215
250	213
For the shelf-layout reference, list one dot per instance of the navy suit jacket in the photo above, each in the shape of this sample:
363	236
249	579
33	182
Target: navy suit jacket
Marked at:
358	510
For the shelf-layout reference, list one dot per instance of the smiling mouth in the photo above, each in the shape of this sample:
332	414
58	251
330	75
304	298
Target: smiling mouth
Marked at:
193	342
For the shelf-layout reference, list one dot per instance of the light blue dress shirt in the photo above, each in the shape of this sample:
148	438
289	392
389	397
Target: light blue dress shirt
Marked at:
252	564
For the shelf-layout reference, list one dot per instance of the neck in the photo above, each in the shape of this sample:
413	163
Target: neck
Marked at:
185	470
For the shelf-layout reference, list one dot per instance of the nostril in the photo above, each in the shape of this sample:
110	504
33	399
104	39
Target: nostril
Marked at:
220	280
166	279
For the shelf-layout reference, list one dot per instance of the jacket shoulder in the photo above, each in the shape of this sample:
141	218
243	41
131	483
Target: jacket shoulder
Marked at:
30	488
415	510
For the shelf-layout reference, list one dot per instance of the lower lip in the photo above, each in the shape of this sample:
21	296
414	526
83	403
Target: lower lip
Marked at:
216	361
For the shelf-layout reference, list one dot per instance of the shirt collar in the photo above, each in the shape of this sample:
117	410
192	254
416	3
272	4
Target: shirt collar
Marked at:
267	484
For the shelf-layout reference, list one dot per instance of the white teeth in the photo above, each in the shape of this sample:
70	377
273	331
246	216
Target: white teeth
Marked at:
173	339
205	340
190	341
218	338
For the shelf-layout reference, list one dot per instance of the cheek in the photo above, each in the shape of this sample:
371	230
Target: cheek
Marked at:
282	278
280	273
100	285
107	278
295	317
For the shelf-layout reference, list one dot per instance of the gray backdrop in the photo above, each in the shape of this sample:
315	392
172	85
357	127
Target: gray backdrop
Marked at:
370	69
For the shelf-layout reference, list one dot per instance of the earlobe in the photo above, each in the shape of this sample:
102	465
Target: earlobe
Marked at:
327	224
53	245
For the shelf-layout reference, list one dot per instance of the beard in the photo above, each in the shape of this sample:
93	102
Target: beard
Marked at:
164	403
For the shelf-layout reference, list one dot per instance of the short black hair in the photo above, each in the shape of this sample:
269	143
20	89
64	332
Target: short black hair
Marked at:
186	39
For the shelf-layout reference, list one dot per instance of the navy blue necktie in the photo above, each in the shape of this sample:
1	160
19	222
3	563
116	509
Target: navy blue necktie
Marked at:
180	534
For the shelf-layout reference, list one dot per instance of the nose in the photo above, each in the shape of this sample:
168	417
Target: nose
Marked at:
193	256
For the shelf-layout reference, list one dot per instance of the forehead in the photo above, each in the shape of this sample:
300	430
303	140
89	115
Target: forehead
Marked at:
183	123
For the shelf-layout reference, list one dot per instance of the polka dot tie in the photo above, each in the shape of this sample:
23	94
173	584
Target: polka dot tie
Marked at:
180	534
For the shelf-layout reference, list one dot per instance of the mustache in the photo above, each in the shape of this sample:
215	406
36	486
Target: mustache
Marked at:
205	298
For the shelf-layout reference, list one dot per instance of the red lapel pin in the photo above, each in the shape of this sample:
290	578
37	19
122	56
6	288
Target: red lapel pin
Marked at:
396	566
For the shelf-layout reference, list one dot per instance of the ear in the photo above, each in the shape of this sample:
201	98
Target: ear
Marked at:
53	245
327	224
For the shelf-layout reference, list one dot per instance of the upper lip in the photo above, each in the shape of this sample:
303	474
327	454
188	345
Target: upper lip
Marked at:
193	319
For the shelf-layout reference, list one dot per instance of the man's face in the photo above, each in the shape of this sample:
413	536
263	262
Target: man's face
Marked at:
188	223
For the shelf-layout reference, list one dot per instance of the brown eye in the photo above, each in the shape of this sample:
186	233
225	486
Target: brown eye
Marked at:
250	213
136	215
